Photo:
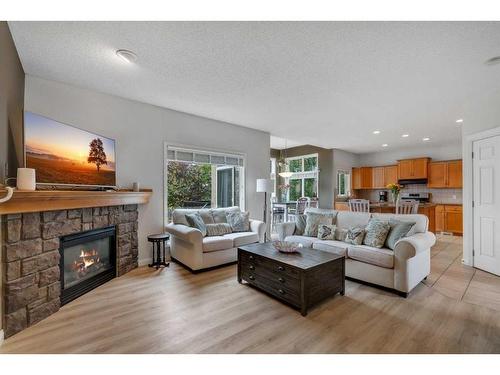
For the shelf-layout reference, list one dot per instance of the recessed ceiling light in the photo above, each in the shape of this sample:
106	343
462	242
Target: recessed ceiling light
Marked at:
385	145
405	135
493	61
459	121
426	139
126	55
376	132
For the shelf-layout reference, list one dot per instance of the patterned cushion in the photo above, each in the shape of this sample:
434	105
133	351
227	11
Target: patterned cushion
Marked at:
313	220
399	229
355	235
239	221
376	233
195	221
340	234
326	231
300	225
218	229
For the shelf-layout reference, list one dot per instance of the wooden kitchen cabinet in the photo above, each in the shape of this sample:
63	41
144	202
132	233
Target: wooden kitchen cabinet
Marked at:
440	218
378	177
445	174
455	174
449	218
356	178
430	212
342	206
362	178
413	169
390	175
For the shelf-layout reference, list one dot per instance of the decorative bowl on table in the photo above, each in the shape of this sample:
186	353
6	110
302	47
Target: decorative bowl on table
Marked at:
287	246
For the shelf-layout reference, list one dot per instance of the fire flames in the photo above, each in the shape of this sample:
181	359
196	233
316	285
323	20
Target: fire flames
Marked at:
88	260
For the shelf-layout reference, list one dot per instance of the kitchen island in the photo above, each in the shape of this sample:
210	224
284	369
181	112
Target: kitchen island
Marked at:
427	209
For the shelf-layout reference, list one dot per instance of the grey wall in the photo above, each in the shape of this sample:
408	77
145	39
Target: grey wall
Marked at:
140	131
345	161
11	109
437	152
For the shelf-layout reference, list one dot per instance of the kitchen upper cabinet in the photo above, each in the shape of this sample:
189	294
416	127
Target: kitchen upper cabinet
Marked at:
362	178
445	174
413	169
356	178
390	175
455	174
378	178
366	177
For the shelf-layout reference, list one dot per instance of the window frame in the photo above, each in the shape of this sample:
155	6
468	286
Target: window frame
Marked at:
347	183
303	175
242	157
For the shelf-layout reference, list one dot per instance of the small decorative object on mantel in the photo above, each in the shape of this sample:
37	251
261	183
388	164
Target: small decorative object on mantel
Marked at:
286	246
395	190
26	179
136	186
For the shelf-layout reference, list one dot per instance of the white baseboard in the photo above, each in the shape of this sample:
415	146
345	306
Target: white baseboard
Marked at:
1	337
144	262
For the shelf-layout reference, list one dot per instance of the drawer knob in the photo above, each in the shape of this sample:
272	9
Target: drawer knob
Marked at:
251	277
250	257
281	280
252	267
281	291
281	268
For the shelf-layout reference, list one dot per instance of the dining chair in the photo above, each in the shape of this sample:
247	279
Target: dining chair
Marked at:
407	207
359	205
300	207
314	202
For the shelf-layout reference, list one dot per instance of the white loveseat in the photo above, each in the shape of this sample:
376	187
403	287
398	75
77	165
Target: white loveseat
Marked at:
190	248
400	269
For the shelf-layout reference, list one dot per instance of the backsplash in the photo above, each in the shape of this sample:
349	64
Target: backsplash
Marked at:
449	196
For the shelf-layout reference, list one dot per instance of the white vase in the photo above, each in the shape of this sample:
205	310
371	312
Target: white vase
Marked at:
26	179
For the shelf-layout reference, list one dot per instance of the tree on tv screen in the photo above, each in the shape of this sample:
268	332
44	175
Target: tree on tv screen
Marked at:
97	155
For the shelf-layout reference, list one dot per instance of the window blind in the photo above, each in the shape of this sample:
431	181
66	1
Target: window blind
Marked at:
203	157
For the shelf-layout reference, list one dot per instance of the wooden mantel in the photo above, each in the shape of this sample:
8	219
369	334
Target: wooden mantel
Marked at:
50	200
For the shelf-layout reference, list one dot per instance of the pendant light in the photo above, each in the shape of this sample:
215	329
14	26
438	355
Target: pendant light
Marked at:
286	173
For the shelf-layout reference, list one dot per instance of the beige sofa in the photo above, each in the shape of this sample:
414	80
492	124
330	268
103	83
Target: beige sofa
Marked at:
189	247
400	269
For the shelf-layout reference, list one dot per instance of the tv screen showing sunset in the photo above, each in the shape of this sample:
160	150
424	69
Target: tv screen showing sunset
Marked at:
62	154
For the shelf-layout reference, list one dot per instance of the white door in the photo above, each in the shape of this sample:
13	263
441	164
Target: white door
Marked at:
486	175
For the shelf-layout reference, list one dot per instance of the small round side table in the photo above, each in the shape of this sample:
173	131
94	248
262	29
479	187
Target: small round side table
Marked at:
160	241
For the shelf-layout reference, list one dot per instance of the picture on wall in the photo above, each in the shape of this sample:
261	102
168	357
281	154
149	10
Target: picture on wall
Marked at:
64	155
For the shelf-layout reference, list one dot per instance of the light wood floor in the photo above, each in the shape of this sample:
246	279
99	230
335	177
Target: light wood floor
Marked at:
456	310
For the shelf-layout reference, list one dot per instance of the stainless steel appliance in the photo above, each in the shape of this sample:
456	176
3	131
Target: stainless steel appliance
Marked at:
382	196
421	197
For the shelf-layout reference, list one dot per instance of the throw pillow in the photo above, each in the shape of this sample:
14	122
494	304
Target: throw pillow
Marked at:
313	220
340	234
300	225
195	221
355	236
326	231
376	233
239	221
399	229
218	229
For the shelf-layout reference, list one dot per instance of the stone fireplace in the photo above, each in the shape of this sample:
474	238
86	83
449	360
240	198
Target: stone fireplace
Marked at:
35	281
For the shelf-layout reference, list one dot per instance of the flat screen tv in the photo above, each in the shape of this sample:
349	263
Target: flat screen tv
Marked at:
64	155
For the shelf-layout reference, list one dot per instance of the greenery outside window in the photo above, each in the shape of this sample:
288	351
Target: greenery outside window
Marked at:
343	183
304	179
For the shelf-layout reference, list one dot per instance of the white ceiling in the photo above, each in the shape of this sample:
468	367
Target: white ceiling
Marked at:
324	83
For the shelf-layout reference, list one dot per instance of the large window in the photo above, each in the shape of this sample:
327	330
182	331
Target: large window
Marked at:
304	179
202	179
343	183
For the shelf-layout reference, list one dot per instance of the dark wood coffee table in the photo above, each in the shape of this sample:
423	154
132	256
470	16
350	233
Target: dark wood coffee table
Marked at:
300	279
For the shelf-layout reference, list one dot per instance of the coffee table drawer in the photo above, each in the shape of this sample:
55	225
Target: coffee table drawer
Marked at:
275	267
271	286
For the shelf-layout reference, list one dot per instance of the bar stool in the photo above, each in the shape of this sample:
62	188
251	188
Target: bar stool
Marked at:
160	240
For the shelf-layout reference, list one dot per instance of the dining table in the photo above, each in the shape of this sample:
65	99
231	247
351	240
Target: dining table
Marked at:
286	208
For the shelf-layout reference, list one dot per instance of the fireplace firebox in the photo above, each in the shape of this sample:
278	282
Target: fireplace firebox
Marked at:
88	259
